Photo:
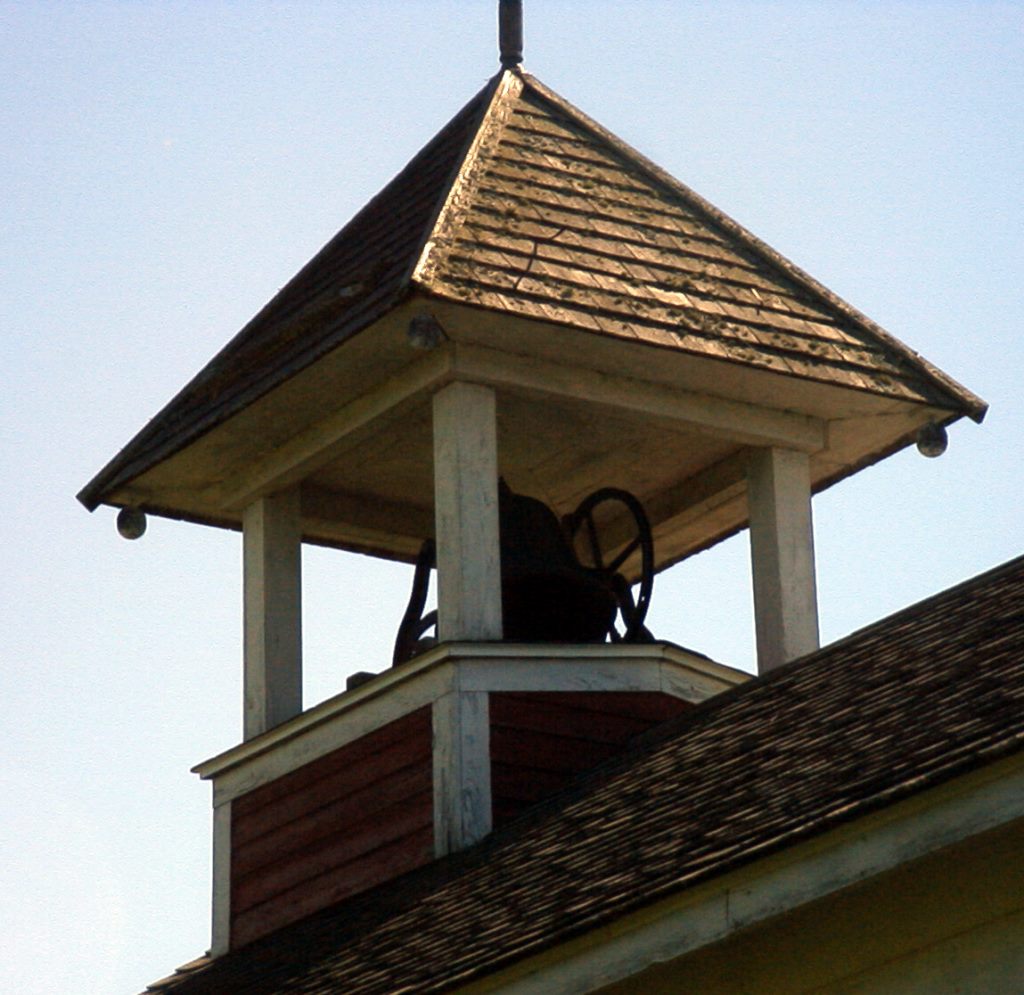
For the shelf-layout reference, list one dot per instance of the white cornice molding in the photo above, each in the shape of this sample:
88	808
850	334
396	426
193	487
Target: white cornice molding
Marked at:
466	667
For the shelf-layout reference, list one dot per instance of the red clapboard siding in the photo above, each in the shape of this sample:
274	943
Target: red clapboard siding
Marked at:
547	751
336	826
374	804
311	862
541	740
388	862
403	730
356	782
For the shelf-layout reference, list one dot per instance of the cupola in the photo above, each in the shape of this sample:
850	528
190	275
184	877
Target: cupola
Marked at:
531	311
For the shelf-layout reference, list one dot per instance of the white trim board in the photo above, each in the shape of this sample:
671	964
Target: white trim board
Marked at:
465	667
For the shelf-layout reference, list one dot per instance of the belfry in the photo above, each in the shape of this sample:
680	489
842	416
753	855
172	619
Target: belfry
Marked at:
543	370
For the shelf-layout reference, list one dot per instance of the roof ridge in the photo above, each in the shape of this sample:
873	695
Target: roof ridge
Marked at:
507	86
975	405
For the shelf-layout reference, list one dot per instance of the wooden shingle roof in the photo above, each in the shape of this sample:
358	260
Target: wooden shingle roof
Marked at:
355	278
912	702
525	207
552	217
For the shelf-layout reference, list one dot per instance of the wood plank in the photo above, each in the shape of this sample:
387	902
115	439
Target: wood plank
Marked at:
617	200
522	789
688	500
529	785
744	423
649	706
345	781
541	740
514	782
387	862
466	512
326	441
323	821
348	845
519	134
409	735
301	805
462	770
699	307
547	752
272	582
694	292
587	178
506	809
532	715
490	219
220	919
594	225
324	507
782	556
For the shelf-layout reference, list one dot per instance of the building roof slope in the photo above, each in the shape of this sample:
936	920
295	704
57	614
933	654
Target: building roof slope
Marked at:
523	205
930	693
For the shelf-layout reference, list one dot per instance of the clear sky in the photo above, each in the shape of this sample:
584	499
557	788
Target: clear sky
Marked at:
165	167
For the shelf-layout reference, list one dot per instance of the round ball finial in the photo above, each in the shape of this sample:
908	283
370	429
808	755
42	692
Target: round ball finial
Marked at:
131	523
932	440
425	332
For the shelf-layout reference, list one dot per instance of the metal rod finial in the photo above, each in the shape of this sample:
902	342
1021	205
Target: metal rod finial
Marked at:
510	32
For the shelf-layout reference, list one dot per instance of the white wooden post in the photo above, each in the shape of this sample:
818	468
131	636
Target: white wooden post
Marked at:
221	931
272	569
462	770
466	513
782	556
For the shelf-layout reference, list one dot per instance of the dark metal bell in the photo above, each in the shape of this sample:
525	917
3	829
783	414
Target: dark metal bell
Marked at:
546	594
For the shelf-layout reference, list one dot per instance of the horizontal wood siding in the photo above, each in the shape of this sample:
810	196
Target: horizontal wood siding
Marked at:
541	740
338	825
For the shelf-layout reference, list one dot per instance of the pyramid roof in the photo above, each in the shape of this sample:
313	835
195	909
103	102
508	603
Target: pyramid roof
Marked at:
524	209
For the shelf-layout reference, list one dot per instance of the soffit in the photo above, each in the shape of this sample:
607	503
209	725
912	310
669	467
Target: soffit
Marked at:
563	432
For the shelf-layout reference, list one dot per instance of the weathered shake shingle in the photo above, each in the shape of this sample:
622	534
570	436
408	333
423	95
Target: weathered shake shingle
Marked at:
909	703
524	206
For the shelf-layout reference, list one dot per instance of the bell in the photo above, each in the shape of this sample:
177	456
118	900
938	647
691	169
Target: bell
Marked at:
547	594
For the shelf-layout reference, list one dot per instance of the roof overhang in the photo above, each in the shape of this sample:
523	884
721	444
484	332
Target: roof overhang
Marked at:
636	337
576	411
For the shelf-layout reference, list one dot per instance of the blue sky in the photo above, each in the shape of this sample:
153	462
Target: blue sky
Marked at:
167	166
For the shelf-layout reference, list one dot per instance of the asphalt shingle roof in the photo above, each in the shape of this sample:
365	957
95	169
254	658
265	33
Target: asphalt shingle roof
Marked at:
913	701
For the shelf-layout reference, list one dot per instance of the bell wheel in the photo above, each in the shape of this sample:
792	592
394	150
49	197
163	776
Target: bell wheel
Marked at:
607	556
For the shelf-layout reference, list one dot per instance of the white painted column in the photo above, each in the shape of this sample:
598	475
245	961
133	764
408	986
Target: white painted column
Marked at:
466	513
272	574
782	556
221	938
462	770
